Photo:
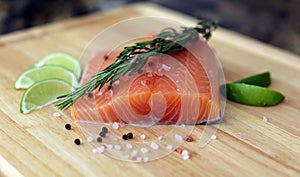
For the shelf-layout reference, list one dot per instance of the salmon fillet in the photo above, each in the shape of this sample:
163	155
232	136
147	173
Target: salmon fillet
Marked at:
181	88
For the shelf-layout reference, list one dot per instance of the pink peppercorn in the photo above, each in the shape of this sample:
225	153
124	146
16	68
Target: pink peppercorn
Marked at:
188	138
179	150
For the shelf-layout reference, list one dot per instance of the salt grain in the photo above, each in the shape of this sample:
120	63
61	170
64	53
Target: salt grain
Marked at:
154	146
185	157
165	67
265	119
89	139
117	147
115	125
178	137
160	138
143	136
134	153
213	137
95	150
139	159
184	153
56	114
128	146
144	150
145	158
169	147
101	149
109	146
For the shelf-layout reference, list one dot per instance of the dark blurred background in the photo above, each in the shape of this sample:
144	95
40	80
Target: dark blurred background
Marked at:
276	22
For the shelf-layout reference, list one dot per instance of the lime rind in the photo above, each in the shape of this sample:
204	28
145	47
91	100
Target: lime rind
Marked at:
63	60
33	75
42	94
262	79
253	95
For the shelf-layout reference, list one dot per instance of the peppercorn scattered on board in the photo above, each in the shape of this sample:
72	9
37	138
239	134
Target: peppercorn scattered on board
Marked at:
250	141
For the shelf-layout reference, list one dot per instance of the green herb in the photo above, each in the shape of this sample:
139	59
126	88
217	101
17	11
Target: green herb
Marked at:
133	58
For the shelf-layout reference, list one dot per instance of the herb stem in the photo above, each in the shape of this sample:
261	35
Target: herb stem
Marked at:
133	58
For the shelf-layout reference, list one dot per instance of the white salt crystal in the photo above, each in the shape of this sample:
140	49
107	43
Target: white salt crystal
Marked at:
115	125
109	146
265	119
185	157
95	150
128	146
154	146
139	159
178	137
117	147
184	153
134	153
143	136
56	114
101	149
160	138
145	158
144	150
89	139
169	147
165	67
213	137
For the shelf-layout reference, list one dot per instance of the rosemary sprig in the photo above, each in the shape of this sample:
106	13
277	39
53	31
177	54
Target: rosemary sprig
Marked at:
133	58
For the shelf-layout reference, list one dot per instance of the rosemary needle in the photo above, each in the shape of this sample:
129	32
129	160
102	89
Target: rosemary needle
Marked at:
133	58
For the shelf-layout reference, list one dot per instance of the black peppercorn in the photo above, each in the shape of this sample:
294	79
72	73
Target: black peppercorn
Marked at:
130	135
77	141
125	137
104	129
90	95
99	139
102	134
68	126
105	57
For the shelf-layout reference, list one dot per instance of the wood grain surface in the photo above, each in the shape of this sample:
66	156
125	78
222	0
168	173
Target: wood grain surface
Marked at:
37	144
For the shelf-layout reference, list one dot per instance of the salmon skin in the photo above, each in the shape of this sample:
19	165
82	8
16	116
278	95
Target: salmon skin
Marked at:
181	88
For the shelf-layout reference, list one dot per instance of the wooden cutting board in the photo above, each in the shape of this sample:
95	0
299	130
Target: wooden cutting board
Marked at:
37	144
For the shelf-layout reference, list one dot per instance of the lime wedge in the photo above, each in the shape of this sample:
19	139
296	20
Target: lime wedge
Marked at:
262	79
42	94
63	60
37	74
253	95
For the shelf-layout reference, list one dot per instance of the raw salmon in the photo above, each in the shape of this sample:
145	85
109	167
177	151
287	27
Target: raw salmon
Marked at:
181	88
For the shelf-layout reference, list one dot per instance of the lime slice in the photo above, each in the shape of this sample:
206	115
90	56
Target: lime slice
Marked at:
263	79
33	75
42	94
253	95
63	60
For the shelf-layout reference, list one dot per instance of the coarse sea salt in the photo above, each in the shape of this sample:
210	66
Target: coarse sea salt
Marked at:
128	146
145	158
144	150
115	125
101	149
134	153
154	146
169	147
213	137
184	153
109	146
185	157
117	147
89	139
160	138
178	137
56	114
265	119
143	136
